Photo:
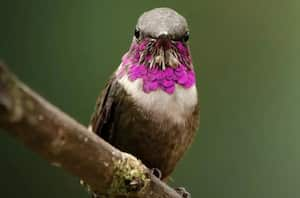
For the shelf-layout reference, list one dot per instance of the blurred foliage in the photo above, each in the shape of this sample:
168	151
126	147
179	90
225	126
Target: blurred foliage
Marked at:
246	54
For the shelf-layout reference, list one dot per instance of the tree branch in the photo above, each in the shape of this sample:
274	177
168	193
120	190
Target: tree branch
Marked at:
65	143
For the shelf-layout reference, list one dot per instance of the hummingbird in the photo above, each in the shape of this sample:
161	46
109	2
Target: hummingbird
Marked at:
149	107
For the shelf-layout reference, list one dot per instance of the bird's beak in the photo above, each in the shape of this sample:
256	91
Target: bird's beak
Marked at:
164	40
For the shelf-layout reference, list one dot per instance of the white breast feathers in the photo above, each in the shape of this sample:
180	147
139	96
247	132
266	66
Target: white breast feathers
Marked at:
174	106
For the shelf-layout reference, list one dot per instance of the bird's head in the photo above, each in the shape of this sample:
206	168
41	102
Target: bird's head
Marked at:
159	53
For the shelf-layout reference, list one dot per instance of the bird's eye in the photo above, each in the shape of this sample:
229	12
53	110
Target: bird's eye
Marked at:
186	36
137	33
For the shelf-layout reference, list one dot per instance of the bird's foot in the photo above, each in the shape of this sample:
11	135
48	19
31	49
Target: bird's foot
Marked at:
156	172
91	192
95	195
183	192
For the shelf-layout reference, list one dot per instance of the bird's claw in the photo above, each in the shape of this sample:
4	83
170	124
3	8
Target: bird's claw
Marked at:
88	188
156	172
183	192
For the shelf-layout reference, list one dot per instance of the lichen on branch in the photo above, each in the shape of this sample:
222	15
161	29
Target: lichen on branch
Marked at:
65	143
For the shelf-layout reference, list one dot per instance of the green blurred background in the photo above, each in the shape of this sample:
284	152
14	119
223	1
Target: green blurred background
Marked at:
246	54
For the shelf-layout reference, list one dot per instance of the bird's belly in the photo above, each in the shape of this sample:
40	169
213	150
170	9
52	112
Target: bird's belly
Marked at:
157	144
151	136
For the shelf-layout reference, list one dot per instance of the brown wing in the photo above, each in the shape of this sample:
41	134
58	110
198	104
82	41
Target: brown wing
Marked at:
102	120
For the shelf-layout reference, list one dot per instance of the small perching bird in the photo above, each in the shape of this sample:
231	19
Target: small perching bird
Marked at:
149	107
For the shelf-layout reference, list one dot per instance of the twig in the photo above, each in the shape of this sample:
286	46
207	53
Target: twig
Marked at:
65	143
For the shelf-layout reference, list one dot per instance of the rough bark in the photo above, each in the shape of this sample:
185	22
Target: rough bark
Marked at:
65	143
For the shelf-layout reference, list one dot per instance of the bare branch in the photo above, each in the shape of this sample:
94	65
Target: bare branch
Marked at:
66	143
